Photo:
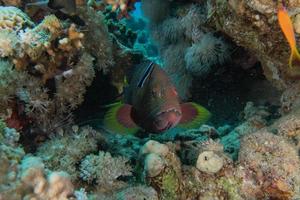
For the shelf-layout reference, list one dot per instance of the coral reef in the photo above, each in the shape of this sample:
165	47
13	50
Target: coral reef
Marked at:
48	61
97	40
51	66
24	177
261	34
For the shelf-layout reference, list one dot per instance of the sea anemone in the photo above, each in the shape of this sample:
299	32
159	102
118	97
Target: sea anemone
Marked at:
209	51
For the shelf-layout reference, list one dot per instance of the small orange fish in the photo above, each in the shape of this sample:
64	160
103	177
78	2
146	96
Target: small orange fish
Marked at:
287	28
152	104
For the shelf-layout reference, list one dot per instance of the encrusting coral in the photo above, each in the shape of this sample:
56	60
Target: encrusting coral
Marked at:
270	167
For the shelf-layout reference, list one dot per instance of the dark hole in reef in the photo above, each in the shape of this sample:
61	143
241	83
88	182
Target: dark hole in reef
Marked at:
100	93
226	91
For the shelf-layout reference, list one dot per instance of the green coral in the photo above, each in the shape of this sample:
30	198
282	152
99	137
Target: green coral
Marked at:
231	187
170	185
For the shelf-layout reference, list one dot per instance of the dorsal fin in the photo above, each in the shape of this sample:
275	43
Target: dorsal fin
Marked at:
145	75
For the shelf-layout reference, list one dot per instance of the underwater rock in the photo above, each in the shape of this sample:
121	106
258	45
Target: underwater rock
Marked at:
290	98
201	185
288	126
261	34
297	23
270	167
255	118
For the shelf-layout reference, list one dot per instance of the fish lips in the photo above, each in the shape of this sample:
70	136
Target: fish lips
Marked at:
166	119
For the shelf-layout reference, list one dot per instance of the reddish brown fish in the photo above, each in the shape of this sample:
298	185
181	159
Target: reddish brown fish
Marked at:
152	104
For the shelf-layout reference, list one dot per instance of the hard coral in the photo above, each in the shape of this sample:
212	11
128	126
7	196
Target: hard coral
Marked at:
167	179
57	186
49	52
270	167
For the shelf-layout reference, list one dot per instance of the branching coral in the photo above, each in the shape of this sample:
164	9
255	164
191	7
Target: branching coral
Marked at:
104	170
64	153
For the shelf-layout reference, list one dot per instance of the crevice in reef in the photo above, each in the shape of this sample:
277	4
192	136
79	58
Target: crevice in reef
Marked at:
229	87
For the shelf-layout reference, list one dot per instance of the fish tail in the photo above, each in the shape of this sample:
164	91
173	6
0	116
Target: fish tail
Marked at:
118	119
193	115
294	57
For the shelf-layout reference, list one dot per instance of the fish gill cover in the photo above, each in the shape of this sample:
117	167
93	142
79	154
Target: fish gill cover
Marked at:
65	66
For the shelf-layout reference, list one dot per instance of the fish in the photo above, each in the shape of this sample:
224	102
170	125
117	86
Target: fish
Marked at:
151	103
66	6
287	28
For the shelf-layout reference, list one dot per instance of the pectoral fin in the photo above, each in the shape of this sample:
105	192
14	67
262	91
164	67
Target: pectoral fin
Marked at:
193	115
118	119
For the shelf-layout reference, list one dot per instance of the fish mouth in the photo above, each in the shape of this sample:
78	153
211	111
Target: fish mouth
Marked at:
166	119
178	112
